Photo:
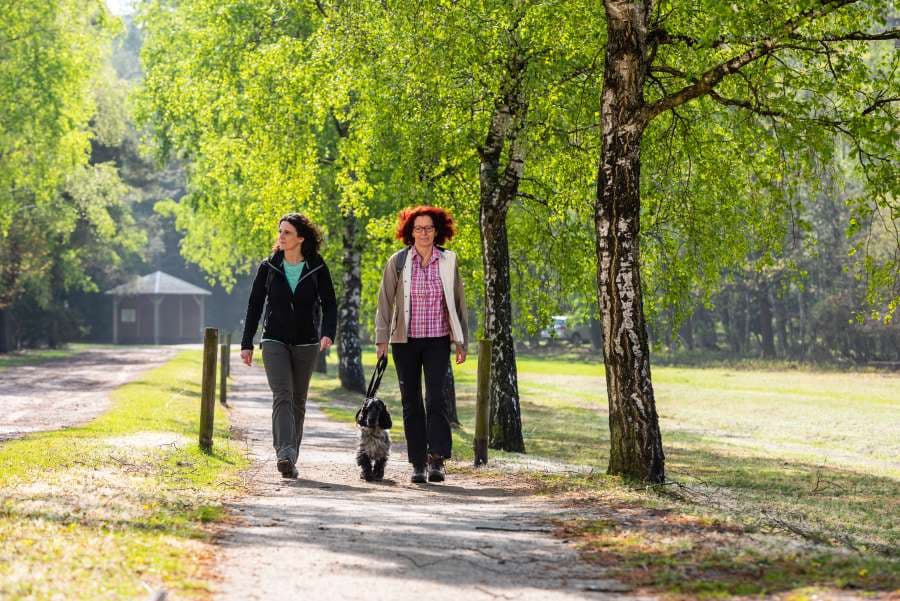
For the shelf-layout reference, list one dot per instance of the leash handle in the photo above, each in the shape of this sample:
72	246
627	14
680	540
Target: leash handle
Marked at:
375	382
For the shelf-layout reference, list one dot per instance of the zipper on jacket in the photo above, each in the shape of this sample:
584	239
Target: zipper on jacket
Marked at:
308	273
281	271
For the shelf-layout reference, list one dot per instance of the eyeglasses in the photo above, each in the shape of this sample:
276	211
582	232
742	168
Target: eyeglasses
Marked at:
423	229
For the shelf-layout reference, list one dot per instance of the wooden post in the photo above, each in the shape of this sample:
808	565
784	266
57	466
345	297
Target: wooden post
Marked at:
208	388
482	402
223	374
115	321
227	354
157	301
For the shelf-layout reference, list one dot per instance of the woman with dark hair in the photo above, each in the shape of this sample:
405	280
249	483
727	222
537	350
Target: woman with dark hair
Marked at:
292	283
421	310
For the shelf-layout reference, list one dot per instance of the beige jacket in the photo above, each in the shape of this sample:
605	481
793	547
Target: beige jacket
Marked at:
392	316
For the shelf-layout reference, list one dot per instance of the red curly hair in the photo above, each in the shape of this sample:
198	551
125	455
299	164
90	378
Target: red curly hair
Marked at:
444	227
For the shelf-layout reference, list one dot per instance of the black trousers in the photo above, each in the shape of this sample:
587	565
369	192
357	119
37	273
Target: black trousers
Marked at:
427	428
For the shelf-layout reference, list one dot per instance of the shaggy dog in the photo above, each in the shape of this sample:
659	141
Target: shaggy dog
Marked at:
374	421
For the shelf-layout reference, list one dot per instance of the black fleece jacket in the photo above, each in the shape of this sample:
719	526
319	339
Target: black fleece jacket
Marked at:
290	316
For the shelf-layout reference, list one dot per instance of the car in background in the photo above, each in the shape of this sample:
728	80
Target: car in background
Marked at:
564	327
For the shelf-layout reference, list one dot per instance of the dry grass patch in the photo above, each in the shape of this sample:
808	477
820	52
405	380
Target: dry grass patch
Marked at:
690	556
122	505
787	481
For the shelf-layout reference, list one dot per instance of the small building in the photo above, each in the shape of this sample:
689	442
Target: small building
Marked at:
158	309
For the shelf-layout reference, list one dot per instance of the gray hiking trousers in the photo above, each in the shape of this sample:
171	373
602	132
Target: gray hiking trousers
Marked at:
288	369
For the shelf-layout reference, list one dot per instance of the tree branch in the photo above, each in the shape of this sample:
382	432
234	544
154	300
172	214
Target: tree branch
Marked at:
321	8
445	172
891	34
532	197
709	79
745	104
880	102
669	70
661	36
342	127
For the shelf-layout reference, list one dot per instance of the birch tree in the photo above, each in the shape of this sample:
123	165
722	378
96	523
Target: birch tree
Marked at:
465	95
798	74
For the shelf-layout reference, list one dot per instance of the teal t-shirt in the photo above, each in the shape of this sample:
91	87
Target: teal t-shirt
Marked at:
293	271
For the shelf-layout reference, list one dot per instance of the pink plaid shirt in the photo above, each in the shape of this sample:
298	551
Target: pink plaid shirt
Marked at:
428	311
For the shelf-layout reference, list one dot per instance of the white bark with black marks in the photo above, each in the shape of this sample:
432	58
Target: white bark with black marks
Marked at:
636	445
499	185
350	369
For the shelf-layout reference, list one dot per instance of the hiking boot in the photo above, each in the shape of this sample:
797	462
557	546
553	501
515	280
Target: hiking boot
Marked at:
436	469
418	475
287	468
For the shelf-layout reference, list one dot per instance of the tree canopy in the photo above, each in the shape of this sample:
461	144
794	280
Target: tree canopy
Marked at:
61	218
714	126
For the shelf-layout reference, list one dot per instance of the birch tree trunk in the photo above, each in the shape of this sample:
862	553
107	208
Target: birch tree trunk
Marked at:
350	369
636	444
499	185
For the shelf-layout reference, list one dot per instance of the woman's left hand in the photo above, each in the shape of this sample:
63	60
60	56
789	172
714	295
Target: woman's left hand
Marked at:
325	343
460	353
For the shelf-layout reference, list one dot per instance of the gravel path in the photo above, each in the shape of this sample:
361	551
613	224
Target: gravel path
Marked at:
66	392
330	535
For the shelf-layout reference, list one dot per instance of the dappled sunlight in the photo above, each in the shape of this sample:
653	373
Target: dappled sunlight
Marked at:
806	461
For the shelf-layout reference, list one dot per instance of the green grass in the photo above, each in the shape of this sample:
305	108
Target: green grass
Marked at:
122	503
37	356
813	456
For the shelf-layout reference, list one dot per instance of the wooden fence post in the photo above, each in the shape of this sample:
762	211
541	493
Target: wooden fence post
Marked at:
228	354
208	388
223	374
483	402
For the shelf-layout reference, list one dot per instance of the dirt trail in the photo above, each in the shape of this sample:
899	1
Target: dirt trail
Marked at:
65	392
330	535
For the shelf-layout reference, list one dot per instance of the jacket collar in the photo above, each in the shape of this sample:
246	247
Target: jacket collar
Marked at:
276	260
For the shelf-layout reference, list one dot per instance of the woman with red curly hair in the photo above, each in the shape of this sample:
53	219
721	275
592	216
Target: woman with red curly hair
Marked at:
421	310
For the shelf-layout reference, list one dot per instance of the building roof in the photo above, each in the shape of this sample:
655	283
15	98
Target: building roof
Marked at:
157	283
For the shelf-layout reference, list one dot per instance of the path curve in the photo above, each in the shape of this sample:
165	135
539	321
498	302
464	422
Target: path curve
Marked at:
65	392
330	535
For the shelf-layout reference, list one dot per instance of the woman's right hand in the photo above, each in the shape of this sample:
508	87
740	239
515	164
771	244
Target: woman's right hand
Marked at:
381	350
247	356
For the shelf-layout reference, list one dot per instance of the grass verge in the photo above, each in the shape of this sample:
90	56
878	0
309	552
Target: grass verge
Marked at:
122	504
784	481
35	356
30	357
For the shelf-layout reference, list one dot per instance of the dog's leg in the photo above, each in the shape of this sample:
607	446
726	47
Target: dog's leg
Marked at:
365	464
378	471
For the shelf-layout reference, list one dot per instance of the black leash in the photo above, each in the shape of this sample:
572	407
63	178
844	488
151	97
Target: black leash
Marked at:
375	382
